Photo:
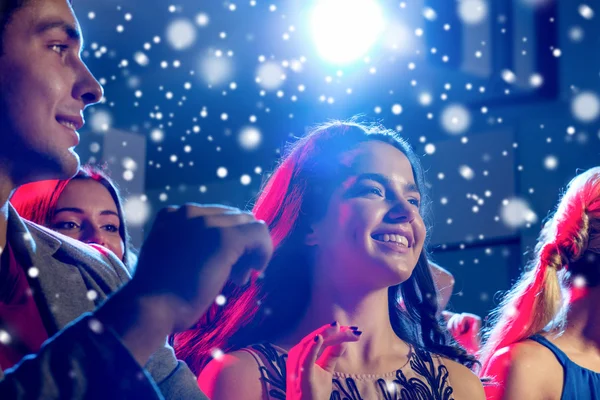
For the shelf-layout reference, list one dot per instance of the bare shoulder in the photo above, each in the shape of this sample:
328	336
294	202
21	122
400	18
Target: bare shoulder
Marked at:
523	356
235	375
523	369
465	383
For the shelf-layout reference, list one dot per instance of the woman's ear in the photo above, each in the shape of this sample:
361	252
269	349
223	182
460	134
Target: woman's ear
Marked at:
310	239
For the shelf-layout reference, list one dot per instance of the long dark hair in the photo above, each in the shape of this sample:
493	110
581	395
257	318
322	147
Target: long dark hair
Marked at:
294	195
36	202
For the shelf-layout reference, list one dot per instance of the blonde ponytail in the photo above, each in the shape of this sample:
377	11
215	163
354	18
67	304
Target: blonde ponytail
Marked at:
536	302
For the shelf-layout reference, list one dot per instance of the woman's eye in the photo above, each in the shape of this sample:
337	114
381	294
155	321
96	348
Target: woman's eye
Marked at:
65	225
414	202
373	190
111	228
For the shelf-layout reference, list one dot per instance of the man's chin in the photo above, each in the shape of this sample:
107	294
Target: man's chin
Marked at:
46	168
73	164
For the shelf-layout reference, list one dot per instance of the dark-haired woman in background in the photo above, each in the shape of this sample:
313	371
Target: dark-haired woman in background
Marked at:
87	207
345	209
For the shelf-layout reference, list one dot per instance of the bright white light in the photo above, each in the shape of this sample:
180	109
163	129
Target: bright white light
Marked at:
245	179
472	11
586	11
398	37
425	99
181	34
136	211
216	70
221	172
586	106
456	119
430	14
220	300
550	162
516	213
157	135
466	172
129	163
250	138
4	337
536	80
100	121
202	19
141	58
217	354
579	282
344	30
508	76
269	75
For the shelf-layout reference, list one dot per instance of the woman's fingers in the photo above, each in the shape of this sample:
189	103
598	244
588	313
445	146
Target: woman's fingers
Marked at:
331	356
311	363
334	347
309	357
324	331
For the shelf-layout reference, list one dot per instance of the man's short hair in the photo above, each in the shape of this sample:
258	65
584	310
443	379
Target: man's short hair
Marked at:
7	9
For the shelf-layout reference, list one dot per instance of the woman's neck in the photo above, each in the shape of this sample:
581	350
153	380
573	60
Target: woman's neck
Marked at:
583	319
366	310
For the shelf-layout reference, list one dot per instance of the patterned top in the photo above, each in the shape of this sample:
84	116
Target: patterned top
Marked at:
421	378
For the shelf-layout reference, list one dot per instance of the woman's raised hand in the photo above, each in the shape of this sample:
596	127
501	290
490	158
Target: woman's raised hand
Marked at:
464	327
311	362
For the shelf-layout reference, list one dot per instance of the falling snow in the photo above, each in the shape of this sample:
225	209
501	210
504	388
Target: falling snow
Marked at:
586	106
217	96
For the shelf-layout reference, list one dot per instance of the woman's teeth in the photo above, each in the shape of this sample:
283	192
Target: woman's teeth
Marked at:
391	237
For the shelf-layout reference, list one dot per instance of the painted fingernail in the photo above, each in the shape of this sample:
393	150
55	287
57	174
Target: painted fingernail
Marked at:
357	333
316	338
334	323
354	328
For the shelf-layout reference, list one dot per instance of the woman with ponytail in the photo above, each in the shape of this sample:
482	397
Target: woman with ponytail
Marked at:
345	209
544	342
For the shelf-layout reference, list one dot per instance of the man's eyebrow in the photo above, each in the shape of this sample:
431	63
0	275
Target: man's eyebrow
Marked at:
71	30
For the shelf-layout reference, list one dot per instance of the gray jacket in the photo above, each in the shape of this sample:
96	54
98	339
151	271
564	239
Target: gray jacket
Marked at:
83	360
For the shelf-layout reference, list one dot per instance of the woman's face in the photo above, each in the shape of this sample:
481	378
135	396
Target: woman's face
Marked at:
87	212
372	232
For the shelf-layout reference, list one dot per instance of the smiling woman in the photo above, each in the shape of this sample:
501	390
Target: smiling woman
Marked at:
345	209
87	208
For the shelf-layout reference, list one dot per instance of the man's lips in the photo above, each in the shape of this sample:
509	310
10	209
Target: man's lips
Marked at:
74	122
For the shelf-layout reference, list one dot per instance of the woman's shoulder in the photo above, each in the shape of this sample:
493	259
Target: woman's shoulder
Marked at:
522	367
249	373
465	383
526	352
232	375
